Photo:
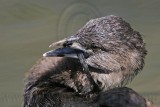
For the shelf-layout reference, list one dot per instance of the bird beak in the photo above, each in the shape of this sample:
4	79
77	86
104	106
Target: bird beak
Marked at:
71	50
66	52
61	42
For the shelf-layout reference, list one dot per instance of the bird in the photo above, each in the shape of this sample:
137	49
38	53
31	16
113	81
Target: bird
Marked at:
106	53
113	51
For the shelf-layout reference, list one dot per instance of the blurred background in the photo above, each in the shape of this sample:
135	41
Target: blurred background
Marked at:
28	27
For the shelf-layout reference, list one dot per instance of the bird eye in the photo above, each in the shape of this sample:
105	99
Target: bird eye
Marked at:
94	46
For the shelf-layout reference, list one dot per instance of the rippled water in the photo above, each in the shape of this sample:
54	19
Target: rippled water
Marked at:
27	27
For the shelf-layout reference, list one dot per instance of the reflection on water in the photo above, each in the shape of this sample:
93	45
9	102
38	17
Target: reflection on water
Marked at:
28	27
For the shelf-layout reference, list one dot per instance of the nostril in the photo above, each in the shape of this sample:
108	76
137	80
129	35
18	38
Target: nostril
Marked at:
67	43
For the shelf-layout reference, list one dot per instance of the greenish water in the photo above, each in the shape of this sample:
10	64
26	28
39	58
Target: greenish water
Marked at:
27	27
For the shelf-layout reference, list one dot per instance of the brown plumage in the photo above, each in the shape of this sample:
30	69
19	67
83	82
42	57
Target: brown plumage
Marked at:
114	54
114	51
43	91
122	97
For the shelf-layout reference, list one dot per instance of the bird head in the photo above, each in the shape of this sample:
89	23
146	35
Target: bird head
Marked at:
89	40
107	43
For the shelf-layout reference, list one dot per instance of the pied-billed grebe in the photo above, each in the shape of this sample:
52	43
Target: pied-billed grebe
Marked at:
113	51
